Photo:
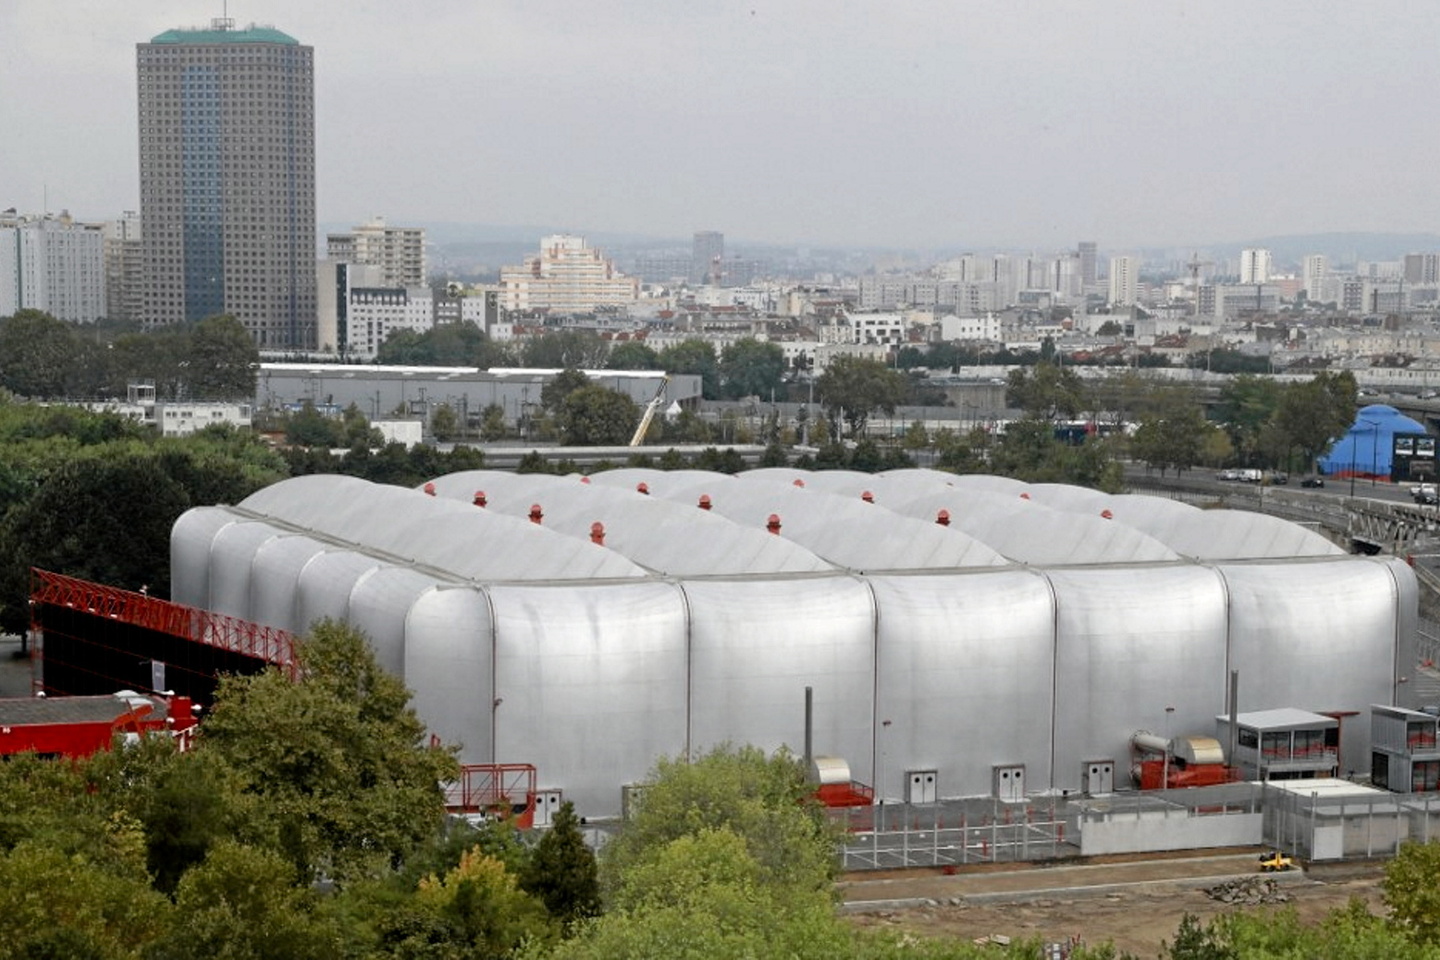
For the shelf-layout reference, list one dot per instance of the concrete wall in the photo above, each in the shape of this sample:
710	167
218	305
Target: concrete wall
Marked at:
1136	831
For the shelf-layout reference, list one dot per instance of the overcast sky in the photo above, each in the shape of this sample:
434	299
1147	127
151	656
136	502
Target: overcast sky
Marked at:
902	123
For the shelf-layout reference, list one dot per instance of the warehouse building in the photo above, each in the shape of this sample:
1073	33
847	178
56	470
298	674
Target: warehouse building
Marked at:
963	627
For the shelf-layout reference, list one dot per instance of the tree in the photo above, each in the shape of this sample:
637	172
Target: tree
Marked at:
851	388
1047	392
1247	404
1174	436
759	798
1313	413
308	427
223	361
492	423
38	355
562	872
338	757
444	423
555	391
1109	329
1411	892
242	903
484	906
632	355
597	416
562	349
694	356
750	368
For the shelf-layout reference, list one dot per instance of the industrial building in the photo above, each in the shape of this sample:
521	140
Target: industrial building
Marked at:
975	632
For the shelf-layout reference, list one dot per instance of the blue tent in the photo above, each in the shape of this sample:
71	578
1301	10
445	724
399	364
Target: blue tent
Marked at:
1366	448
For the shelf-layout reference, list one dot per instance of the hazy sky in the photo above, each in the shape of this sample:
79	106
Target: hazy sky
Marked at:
944	123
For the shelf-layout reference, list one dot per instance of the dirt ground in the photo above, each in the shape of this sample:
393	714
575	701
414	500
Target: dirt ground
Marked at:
1137	918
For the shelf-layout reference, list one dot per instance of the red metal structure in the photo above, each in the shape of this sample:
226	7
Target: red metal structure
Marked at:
79	726
141	610
96	639
495	790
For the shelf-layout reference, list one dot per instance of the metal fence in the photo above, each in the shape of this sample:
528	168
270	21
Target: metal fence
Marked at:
1315	827
954	833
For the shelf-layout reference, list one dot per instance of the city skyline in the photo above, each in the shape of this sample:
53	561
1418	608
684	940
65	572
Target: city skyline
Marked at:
993	125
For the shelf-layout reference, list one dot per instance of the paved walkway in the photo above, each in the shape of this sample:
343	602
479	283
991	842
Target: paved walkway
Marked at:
1019	882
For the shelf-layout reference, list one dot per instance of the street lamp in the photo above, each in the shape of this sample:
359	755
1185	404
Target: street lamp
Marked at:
1165	767
1374	452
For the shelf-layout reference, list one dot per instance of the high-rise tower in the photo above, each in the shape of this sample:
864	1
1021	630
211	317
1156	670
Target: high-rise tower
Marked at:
707	251
227	180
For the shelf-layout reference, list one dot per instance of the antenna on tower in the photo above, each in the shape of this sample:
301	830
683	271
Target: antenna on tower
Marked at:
223	22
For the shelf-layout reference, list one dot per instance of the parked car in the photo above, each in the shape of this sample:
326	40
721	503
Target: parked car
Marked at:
1428	394
1228	474
1315	481
1425	493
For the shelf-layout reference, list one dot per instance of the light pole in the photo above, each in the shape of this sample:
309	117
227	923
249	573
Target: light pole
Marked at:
1165	767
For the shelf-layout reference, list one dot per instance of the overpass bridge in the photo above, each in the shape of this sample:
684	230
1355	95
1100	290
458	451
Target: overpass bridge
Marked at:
1359	524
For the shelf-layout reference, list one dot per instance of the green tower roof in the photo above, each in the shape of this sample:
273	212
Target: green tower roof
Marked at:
251	34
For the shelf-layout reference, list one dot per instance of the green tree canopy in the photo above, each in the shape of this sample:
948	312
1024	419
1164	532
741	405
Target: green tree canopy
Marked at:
338	757
597	416
1047	392
694	356
559	387
39	355
852	388
750	368
577	349
632	355
223	361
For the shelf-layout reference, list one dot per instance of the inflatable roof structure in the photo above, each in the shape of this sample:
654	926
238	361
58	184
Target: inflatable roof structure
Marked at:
588	625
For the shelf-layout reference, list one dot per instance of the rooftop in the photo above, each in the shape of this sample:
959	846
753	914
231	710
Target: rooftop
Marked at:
222	32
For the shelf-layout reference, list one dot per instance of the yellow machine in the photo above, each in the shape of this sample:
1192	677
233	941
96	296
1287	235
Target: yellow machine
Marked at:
1273	861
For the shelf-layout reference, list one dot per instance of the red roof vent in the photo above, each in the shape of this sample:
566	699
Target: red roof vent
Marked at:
584	479
1107	514
943	518
597	533
773	524
480	500
1024	496
536	514
643	487
798	482
430	489
704	501
867	496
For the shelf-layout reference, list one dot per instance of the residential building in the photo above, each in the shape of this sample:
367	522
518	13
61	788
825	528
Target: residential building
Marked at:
374	313
567	277
52	264
1313	270
124	269
399	252
1255	266
1089	263
1422	268
706	249
1124	281
227	180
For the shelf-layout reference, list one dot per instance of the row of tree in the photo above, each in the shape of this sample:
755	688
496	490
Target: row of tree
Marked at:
45	358
308	821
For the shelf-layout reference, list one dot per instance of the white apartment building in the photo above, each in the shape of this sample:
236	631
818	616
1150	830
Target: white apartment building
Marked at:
52	264
399	252
1124	281
1313	270
981	327
567	277
124	268
1255	266
374	313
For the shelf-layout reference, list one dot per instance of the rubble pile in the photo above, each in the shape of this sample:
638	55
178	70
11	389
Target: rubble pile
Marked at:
1248	891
